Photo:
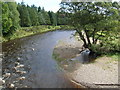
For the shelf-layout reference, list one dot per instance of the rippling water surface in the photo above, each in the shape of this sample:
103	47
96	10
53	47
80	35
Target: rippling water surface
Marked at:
35	53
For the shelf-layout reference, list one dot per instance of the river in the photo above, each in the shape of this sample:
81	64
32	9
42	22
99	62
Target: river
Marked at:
35	53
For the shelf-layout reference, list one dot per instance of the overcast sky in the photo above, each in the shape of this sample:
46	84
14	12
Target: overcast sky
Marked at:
52	5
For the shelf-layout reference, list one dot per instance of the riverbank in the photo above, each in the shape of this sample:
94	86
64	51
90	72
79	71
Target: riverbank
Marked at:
27	31
103	70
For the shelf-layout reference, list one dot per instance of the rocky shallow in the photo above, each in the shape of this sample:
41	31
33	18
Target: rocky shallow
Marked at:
14	72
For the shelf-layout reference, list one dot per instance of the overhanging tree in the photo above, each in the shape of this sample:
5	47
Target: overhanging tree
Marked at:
94	21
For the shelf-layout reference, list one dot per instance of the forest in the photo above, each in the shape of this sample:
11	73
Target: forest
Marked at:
15	16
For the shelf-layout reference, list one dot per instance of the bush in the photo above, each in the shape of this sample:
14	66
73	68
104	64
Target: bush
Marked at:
106	47
49	27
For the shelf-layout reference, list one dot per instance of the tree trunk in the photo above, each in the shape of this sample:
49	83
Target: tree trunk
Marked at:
82	38
88	38
93	38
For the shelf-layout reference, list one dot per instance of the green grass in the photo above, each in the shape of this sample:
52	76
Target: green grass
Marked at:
66	27
114	56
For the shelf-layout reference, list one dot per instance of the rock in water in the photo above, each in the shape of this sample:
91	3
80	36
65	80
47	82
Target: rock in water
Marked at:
7	75
0	81
33	49
85	55
20	66
18	58
21	72
17	63
21	78
11	86
3	81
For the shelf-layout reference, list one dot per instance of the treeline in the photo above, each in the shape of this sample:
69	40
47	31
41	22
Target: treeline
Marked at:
19	15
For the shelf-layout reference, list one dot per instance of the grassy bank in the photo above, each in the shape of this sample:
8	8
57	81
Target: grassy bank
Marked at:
114	56
26	31
66	27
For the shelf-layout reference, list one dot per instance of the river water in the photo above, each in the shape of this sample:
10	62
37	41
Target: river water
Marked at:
35	53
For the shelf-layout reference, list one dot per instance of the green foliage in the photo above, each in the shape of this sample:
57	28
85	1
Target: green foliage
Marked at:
53	18
14	14
115	56
62	18
41	18
10	18
66	27
33	15
24	18
96	22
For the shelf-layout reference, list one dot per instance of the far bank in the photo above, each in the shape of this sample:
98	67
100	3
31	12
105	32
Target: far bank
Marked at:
27	31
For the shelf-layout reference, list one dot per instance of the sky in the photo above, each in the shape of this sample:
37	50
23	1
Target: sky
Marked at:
49	5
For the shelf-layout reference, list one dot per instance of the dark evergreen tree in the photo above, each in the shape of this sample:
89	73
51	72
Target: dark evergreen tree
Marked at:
39	9
53	18
24	15
34	15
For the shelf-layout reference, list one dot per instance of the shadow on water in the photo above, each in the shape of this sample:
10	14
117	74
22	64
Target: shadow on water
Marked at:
35	53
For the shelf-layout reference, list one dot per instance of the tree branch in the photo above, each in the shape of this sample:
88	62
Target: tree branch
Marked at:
82	37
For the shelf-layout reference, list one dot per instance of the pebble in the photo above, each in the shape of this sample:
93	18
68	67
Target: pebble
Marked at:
18	58
21	72
15	68
19	66
17	63
0	81
15	81
1	54
11	86
7	75
3	81
33	49
21	78
65	65
26	86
